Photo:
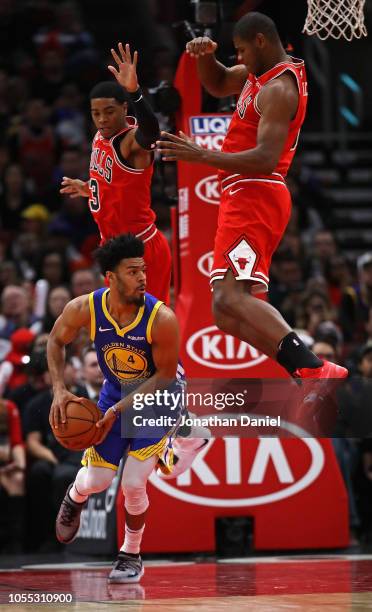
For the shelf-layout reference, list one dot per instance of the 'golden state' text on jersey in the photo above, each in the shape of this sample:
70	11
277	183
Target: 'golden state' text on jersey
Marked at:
124	354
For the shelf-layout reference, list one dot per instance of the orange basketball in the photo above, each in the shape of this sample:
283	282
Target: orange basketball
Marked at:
80	431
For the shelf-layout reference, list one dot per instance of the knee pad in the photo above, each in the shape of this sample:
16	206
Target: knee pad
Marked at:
136	499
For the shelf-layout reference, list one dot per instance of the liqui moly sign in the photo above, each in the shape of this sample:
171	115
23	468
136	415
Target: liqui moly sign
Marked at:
209	130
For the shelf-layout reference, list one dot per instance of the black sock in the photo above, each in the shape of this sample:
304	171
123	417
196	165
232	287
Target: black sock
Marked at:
294	354
134	555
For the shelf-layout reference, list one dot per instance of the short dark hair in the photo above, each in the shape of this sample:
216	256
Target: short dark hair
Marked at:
252	24
114	250
108	89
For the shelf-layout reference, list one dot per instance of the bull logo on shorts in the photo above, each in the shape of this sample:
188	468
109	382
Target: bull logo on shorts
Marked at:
126	364
242	262
243	258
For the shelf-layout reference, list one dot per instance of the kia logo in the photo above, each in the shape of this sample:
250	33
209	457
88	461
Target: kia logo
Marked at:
214	349
205	263
208	189
270	451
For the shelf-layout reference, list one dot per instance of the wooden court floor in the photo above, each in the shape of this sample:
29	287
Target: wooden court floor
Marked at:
332	583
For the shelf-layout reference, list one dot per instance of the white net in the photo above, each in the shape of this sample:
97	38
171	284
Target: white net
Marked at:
335	19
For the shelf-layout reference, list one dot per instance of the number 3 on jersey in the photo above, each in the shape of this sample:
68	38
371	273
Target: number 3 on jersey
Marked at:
93	202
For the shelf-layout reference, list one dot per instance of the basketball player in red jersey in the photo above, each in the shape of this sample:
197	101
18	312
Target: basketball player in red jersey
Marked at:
121	167
255	202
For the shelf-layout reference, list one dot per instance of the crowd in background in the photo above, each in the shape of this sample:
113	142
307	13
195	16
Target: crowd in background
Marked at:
51	55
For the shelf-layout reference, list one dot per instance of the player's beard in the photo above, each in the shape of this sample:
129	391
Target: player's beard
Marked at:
138	301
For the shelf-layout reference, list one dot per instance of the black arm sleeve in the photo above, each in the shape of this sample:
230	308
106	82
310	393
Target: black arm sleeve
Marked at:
148	126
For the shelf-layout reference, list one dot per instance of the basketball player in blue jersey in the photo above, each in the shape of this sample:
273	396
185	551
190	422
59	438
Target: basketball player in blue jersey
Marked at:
137	342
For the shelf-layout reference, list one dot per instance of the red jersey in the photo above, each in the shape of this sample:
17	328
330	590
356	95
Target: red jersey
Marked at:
242	132
120	196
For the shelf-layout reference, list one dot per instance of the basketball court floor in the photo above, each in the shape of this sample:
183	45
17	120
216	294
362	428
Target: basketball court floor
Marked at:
266	584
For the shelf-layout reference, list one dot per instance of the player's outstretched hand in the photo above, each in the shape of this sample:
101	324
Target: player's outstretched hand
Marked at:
126	71
57	412
201	46
174	148
75	188
105	424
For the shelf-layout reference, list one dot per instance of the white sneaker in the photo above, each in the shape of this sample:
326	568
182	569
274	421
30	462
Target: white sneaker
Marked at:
126	569
185	449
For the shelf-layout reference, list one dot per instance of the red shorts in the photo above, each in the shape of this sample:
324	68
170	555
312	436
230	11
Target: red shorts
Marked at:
158	261
251	222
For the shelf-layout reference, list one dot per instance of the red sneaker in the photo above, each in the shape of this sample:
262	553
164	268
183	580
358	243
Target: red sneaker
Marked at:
327	370
316	392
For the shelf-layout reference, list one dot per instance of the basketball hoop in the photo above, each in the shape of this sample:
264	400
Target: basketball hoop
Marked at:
335	19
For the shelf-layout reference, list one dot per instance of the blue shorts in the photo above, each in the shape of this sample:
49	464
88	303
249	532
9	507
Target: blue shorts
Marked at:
128	435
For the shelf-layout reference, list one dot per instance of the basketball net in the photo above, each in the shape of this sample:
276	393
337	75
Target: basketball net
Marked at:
335	19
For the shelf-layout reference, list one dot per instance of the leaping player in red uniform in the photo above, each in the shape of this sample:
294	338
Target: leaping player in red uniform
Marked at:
255	202
121	167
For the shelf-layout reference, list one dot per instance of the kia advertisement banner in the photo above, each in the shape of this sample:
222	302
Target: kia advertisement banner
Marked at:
291	489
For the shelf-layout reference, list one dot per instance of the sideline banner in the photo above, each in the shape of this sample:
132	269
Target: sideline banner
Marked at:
291	487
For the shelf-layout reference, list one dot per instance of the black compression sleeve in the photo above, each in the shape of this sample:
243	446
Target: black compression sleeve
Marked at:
147	132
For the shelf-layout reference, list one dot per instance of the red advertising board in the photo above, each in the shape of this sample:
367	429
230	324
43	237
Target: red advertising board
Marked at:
291	487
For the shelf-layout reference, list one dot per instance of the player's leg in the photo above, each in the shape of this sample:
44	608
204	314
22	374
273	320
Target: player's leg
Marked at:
242	259
90	479
159	266
100	466
129	566
238	312
245	316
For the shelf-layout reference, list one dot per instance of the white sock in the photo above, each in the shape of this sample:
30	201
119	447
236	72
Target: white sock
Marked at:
132	540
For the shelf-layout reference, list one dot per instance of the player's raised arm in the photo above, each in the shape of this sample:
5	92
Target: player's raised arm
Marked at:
125	72
277	102
75	315
218	80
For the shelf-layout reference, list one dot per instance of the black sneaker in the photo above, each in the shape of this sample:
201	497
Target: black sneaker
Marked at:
126	569
68	519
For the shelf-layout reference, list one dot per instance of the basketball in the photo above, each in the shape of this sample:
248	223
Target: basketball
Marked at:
80	431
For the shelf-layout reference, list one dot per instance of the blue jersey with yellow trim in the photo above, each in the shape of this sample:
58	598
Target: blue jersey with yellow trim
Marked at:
124	354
